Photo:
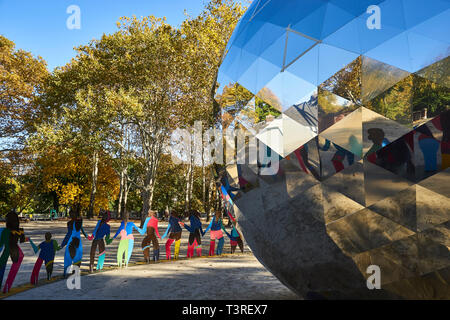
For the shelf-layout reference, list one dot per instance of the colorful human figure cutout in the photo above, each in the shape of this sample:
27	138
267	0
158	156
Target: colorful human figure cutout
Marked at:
47	252
195	234
216	233
150	227
100	234
126	243
174	231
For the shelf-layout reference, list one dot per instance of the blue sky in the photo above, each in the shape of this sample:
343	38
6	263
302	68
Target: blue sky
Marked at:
39	26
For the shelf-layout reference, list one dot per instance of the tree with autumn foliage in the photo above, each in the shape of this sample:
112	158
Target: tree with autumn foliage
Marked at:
102	121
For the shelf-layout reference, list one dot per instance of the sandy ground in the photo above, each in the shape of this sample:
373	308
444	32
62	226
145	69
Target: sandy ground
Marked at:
236	277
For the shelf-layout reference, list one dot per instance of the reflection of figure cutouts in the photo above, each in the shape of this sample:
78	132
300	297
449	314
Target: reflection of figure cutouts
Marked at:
47	252
235	240
126	242
151	227
429	147
397	154
174	230
242	181
195	234
102	230
224	181
376	135
235	237
355	146
443	122
74	249
339	157
216	233
303	159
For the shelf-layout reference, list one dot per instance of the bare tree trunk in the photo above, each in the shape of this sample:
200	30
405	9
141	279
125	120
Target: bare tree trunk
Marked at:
203	184
126	189
210	194
147	195
90	213
187	199
119	205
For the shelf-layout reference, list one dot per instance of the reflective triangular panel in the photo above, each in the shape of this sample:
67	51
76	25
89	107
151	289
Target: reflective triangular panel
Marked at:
396	103
365	230
307	158
433	255
347	132
379	130
391	24
428	159
438	183
335	18
432	208
234	98
380	183
337	205
349	182
285	135
435	27
400	208
417	11
264	71
347	37
305	111
397	157
248	116
296	46
438	72
332	108
223	82
425	51
312	24
399	259
355	7
274	53
332	60
395	52
378	77
346	83
428	99
439	233
307	67
288	89
334	158
265	36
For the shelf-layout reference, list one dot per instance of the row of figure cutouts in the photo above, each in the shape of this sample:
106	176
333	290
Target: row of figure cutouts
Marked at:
12	234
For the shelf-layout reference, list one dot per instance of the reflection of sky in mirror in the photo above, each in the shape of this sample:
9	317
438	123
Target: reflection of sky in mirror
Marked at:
290	89
345	33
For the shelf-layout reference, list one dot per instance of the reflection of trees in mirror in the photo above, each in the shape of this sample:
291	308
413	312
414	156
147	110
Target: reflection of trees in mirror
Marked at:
429	96
263	109
270	98
346	83
234	98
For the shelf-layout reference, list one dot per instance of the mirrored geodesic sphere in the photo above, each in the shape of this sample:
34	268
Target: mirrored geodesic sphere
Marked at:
349	99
